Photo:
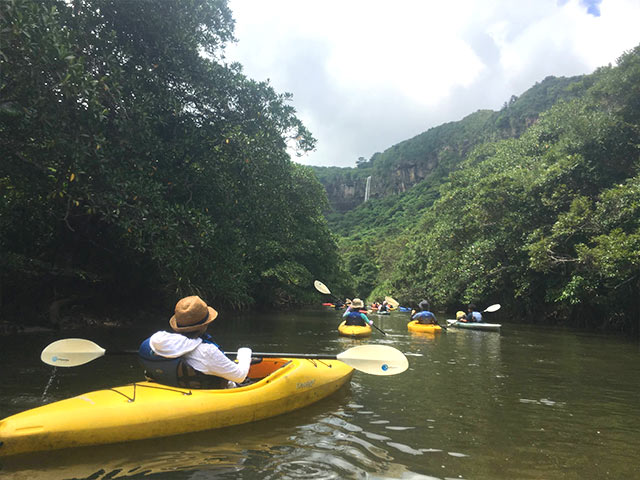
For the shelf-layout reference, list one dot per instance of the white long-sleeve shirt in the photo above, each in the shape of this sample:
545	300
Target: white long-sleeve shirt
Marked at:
204	357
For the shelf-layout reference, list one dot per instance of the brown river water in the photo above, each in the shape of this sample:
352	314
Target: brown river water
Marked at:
526	403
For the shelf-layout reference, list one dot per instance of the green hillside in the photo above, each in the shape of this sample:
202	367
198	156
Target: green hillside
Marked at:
433	154
534	206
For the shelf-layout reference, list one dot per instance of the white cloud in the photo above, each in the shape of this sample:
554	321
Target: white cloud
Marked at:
368	74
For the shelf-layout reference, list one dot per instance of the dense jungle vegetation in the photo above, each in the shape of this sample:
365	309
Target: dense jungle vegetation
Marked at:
546	222
138	166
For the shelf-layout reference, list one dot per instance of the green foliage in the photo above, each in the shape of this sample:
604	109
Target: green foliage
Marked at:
545	222
432	155
133	164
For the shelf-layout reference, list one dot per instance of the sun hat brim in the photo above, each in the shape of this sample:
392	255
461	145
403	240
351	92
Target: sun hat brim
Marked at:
198	326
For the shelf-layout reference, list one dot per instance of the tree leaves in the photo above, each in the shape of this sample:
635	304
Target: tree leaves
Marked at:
156	167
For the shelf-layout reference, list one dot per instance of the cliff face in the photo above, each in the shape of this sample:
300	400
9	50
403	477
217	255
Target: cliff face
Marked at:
347	192
405	177
343	197
440	149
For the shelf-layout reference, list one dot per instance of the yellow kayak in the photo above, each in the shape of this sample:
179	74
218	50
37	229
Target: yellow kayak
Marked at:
354	331
414	326
147	410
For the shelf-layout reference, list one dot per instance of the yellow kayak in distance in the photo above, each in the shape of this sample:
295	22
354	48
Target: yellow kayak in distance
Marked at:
145	409
354	331
414	326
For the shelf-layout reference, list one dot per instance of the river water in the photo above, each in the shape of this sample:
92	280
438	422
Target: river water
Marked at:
526	403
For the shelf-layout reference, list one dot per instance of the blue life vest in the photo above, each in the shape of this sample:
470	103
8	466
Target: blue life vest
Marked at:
477	316
425	316
175	372
354	318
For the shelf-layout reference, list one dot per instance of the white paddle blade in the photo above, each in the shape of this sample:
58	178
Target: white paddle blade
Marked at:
392	301
321	287
71	352
492	308
375	359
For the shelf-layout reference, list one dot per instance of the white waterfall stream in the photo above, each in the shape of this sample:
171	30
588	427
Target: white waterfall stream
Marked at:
367	188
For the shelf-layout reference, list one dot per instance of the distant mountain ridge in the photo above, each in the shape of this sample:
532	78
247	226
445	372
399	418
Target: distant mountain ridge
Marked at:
436	152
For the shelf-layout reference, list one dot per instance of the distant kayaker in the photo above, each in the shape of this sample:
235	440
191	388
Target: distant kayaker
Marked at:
424	315
473	314
353	315
189	357
384	307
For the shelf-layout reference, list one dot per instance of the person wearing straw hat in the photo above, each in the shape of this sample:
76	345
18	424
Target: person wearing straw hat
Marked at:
188	357
353	315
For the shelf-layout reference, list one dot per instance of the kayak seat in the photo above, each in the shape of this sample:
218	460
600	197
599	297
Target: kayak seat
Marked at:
175	372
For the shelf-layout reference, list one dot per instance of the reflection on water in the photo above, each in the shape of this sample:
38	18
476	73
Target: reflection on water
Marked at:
525	403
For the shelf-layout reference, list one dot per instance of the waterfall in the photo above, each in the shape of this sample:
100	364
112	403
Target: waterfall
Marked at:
367	188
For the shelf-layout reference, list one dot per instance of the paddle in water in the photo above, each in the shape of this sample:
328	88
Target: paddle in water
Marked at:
322	288
372	359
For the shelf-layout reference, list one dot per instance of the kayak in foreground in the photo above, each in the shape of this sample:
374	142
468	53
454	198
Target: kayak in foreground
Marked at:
148	410
489	327
414	326
354	331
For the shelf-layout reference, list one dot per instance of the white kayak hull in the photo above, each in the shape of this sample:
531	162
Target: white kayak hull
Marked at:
489	327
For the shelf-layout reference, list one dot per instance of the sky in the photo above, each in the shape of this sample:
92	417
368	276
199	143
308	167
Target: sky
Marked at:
368	74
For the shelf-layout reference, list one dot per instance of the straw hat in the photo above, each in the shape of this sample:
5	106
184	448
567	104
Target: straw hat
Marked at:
192	314
460	314
357	303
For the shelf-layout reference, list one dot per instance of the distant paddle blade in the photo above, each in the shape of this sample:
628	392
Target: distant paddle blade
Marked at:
321	287
71	352
375	359
492	308
393	302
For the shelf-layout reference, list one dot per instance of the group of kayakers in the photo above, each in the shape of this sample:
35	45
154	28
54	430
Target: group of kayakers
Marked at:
354	315
188	357
381	307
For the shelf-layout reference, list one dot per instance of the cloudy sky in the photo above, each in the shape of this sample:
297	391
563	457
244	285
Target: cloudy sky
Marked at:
367	74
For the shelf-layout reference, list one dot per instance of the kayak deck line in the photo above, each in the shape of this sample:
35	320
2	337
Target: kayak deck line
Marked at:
189	391
159	386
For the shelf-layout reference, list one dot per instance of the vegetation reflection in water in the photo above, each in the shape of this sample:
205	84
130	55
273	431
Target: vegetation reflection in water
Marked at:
524	403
